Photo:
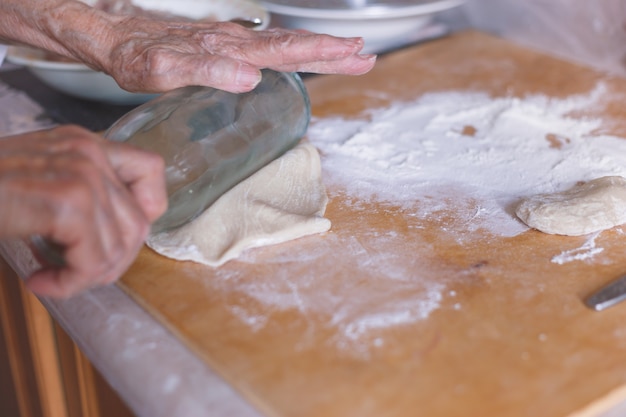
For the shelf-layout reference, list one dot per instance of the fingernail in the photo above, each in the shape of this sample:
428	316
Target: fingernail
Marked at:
368	57
247	77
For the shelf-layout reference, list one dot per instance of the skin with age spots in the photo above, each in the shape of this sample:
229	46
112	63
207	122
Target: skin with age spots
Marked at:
146	54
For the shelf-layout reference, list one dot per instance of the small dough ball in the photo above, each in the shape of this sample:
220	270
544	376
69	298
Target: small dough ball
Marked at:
585	208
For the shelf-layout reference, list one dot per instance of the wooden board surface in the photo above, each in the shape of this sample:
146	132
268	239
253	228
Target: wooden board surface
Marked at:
306	329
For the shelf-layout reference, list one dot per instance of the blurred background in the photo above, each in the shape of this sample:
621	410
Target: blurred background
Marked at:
589	32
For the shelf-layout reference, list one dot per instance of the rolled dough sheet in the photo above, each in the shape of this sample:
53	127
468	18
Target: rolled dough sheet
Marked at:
586	208
283	201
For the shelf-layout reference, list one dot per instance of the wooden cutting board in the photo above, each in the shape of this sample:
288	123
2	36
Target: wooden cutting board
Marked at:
315	327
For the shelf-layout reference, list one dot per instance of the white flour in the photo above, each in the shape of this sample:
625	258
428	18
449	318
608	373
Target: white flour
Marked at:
587	251
494	151
351	312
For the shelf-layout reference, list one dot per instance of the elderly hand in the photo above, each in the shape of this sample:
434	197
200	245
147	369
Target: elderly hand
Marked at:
162	56
94	197
147	54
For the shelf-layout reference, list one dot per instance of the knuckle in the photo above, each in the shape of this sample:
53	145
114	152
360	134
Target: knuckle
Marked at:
223	44
153	60
82	142
83	178
153	71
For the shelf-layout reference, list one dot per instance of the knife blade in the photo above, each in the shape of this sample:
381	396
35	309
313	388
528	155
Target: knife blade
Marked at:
607	296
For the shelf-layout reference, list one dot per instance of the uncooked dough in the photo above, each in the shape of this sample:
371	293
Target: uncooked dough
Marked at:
283	201
586	208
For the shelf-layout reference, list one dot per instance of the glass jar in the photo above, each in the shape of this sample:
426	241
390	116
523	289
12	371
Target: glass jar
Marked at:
212	139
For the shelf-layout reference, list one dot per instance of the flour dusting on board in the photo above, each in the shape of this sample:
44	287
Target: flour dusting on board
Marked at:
494	151
351	312
586	251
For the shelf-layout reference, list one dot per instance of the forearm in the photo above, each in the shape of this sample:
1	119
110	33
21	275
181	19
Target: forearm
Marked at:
67	27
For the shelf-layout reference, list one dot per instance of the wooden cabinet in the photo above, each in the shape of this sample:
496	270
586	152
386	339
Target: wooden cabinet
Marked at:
42	372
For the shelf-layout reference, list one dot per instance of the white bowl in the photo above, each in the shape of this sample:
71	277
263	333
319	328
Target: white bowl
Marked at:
219	10
78	80
383	24
74	79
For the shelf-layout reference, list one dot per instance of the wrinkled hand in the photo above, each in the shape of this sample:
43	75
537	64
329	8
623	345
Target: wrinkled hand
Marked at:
150	55
94	197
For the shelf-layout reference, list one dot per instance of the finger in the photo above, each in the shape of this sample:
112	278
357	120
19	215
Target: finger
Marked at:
227	74
75	139
125	168
38	188
56	283
98	248
47	283
96	221
116	205
353	65
66	282
144	174
74	219
176	69
229	57
116	230
276	48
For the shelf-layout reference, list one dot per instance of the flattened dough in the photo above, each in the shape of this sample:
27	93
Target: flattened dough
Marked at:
586	208
283	201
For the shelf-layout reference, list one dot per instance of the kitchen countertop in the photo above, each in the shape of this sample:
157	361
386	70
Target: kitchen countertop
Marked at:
152	371
125	342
